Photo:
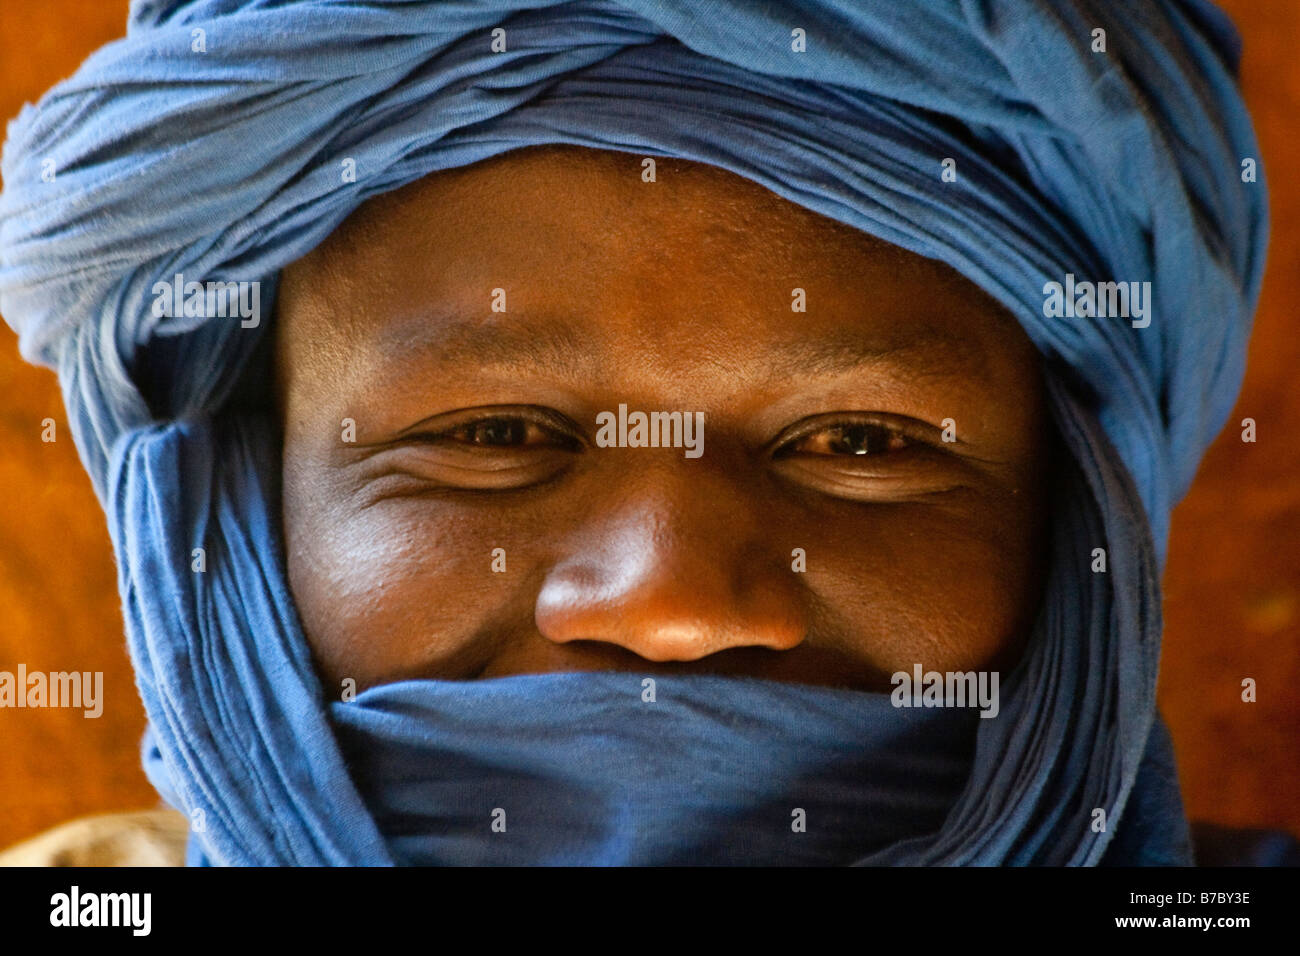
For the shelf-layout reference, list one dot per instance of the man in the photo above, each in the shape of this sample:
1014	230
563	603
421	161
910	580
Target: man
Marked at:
390	597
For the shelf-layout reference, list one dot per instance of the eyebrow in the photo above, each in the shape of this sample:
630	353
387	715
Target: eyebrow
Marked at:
547	343
556	346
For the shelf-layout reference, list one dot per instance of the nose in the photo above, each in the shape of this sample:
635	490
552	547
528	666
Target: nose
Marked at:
677	567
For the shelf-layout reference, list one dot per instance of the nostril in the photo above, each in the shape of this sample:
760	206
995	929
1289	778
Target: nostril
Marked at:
667	643
662	624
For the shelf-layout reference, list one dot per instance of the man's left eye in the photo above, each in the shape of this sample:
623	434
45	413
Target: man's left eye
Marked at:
857	438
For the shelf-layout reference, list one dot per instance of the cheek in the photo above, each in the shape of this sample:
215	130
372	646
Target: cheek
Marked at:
952	587
402	589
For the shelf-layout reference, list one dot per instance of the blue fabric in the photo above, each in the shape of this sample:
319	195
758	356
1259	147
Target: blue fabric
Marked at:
225	165
585	771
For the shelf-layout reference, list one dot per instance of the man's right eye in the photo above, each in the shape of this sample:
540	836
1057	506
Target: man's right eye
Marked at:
513	431
498	432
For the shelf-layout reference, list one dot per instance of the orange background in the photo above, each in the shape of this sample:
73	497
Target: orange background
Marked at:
1232	588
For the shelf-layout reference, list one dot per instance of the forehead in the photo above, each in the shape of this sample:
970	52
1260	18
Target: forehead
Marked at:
583	248
596	202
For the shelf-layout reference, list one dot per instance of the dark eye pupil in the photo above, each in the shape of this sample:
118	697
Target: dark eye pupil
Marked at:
860	439
497	431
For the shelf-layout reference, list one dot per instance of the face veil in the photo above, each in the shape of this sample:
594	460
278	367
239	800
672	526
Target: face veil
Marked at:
222	140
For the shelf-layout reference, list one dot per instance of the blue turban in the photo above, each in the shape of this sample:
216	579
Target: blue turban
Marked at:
209	143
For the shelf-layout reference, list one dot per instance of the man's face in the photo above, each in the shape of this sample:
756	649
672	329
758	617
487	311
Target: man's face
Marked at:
828	534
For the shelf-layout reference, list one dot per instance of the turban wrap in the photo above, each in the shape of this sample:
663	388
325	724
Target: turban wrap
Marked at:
217	155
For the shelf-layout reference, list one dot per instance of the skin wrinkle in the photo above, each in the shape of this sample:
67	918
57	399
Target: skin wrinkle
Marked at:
673	296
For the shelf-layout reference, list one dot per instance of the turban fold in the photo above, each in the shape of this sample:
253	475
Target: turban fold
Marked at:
210	142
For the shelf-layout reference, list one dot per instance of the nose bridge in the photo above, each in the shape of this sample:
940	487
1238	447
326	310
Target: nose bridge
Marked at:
675	565
679	521
679	497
